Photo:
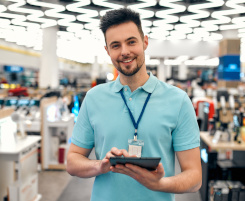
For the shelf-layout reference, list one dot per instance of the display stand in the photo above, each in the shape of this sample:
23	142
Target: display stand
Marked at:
18	160
215	169
55	137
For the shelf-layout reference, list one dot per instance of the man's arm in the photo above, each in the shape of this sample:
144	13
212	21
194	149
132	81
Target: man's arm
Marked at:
79	165
189	180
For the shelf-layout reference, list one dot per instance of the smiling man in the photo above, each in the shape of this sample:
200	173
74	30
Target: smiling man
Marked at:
136	115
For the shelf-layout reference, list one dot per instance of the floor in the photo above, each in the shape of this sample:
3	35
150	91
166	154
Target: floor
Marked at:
60	186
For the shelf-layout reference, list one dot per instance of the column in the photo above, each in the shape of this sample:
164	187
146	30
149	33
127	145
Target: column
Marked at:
183	70
49	70
168	71
161	71
95	69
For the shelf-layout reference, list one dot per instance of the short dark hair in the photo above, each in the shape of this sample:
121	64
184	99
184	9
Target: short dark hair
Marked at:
119	16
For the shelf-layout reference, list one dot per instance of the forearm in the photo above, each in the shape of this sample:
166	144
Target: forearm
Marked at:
81	166
186	182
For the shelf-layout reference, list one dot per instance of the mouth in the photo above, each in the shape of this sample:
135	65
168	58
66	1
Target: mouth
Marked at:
127	62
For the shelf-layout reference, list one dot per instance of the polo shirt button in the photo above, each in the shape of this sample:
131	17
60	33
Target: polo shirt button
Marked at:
125	89
130	99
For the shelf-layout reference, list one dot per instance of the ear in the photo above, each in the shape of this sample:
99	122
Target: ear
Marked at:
145	45
107	50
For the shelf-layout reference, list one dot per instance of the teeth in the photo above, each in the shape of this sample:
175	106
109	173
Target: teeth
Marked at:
127	61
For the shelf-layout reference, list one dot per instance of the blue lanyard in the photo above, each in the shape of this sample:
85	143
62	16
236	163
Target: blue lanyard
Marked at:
136	124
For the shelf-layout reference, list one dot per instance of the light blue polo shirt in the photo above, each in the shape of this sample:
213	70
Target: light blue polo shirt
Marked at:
168	124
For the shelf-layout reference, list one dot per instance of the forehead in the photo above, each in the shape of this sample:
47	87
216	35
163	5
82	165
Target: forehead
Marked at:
122	32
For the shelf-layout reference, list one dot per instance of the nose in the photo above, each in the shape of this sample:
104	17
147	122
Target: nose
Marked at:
125	50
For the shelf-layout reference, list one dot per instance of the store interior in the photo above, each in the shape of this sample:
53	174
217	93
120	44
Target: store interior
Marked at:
52	53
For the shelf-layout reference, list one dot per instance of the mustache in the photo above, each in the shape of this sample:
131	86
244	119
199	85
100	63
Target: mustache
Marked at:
126	58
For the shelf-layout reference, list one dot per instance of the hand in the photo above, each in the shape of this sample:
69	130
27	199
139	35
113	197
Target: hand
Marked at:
105	163
150	179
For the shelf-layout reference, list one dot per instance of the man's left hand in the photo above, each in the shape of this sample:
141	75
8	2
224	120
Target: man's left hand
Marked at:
150	179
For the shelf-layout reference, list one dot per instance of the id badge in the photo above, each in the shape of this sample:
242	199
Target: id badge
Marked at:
135	147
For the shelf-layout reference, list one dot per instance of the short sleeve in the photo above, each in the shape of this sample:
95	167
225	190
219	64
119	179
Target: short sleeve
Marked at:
186	134
83	134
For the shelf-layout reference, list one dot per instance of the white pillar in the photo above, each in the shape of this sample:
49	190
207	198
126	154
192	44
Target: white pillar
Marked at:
161	71
183	70
49	70
95	69
168	71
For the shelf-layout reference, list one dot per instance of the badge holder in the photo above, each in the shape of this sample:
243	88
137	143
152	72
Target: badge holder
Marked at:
135	147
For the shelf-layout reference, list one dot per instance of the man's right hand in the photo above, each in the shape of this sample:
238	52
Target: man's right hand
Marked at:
105	162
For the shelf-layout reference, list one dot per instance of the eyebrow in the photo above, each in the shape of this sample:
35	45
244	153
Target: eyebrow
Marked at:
116	42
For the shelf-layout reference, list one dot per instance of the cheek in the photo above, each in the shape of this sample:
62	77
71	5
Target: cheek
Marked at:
114	56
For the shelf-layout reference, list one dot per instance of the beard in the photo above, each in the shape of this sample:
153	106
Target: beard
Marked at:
127	72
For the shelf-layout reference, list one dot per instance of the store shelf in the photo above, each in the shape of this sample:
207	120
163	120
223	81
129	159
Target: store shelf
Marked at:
221	145
55	138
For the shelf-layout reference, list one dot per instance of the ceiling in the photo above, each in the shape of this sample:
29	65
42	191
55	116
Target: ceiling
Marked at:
21	21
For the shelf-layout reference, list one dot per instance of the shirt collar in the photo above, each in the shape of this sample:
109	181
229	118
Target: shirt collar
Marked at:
149	86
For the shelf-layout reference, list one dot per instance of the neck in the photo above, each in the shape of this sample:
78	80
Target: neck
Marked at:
135	81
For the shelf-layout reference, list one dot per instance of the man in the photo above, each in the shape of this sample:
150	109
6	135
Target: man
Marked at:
108	122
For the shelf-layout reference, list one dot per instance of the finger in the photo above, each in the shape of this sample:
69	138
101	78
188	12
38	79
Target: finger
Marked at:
125	153
105	161
116	151
123	170
136	169
109	154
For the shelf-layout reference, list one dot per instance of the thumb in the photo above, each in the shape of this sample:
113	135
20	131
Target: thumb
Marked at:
160	169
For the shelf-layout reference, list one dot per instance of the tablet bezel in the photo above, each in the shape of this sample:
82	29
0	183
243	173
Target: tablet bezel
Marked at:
149	163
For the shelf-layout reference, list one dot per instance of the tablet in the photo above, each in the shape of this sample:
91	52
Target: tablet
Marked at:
149	163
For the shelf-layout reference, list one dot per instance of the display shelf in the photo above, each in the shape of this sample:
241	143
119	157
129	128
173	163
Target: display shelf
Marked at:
221	145
55	135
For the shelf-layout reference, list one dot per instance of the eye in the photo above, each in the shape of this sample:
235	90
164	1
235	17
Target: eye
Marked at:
115	46
132	42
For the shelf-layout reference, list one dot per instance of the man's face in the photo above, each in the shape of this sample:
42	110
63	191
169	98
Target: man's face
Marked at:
126	48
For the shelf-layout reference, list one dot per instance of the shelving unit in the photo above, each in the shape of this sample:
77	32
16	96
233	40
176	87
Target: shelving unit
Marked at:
55	138
18	163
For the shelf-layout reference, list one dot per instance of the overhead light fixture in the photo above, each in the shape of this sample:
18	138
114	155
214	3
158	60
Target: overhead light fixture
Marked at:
201	32
159	24
66	19
86	14
194	37
93	25
176	37
2	8
161	30
139	7
157	35
213	37
105	3
228	27
201	58
4	23
18	19
146	30
167	14
146	23
191	21
183	28
82	33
